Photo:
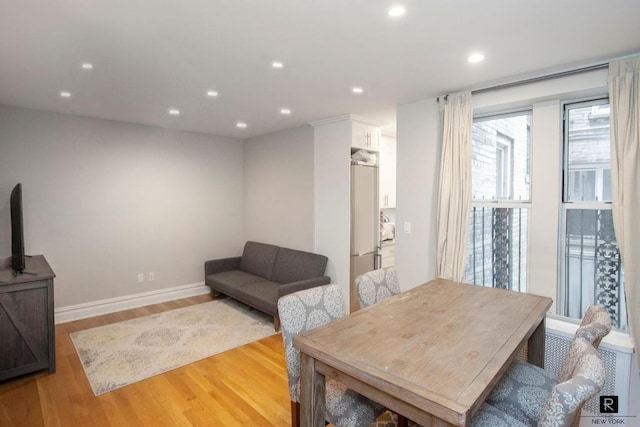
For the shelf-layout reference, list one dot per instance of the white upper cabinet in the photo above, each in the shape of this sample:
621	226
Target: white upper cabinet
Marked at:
387	172
365	136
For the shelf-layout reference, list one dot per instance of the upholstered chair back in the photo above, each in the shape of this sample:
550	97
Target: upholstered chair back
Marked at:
376	285
567	398
300	312
595	325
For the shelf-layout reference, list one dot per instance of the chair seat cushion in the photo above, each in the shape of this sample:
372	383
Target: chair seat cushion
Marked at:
346	408
522	392
490	416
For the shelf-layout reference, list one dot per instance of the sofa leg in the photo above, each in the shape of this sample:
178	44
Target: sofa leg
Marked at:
217	295
276	323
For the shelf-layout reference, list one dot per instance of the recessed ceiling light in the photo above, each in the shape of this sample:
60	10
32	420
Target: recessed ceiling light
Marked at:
476	57
396	11
65	94
212	94
87	66
174	111
285	111
277	64
241	125
357	90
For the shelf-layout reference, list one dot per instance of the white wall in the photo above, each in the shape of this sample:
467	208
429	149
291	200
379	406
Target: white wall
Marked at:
332	204
105	200
417	169
546	187
278	196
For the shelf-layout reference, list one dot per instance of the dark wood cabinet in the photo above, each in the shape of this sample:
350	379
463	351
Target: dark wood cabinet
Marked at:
27	333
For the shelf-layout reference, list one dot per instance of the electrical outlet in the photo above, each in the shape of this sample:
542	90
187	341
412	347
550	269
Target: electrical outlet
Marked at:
151	276
140	277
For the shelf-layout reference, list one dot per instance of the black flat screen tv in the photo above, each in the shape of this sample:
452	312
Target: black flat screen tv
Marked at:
17	231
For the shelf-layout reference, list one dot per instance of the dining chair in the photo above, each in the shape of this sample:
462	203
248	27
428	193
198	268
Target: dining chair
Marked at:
373	287
564	402
304	310
524	388
376	285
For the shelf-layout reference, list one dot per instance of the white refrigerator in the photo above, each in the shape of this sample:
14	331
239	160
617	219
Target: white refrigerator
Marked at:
365	225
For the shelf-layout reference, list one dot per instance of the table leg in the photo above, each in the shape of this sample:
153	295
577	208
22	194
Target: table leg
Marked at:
312	393
535	352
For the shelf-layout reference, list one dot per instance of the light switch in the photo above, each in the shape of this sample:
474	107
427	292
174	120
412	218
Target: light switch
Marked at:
407	227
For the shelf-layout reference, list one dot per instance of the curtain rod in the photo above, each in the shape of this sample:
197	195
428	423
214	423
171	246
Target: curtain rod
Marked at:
535	79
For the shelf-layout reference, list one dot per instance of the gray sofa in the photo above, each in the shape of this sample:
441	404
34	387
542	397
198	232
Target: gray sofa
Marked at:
263	274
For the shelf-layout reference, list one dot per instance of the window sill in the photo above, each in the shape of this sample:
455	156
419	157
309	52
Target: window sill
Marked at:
615	340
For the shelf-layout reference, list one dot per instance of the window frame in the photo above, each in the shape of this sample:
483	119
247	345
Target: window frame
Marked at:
566	205
505	114
565	144
507	144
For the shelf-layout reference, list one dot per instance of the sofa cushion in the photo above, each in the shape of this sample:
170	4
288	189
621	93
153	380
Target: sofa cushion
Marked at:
258	258
262	295
227	282
292	265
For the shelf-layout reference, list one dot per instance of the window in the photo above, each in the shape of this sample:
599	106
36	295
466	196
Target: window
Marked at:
591	267
504	163
498	223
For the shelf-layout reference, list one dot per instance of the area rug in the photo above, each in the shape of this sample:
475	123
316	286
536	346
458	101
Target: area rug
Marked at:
120	354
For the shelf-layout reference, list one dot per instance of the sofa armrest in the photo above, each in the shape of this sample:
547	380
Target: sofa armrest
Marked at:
220	265
288	288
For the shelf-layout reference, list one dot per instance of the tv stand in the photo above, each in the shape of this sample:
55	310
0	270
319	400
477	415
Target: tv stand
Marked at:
27	333
20	273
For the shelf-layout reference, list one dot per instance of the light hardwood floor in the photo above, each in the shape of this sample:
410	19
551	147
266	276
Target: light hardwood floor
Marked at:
246	386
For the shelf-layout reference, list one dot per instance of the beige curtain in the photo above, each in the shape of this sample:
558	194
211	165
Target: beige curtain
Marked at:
624	98
454	195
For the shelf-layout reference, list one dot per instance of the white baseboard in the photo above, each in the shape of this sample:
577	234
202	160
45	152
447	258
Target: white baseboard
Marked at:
112	305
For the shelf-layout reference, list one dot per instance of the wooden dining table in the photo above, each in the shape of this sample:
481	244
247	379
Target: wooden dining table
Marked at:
432	353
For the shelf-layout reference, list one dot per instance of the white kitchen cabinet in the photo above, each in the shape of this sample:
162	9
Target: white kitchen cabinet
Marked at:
387	172
365	136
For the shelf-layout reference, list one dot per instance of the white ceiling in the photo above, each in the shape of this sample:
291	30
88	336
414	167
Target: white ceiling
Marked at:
151	55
